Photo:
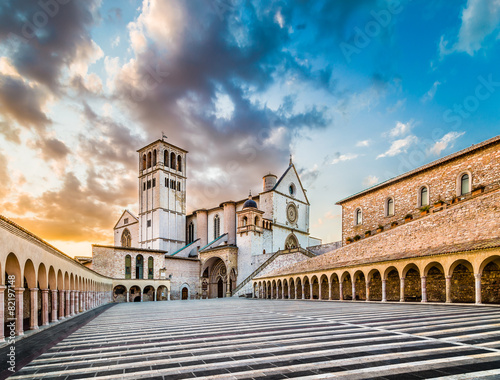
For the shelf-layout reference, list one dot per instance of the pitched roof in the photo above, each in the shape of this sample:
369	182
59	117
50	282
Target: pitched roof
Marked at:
121	216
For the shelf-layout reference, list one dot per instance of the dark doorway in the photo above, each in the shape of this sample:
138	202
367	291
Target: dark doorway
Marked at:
184	293
220	288
137	299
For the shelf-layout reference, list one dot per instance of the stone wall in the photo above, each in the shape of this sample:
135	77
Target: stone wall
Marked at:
185	272
441	180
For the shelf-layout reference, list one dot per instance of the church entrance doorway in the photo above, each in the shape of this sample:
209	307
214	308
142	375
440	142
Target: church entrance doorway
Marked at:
220	288
184	294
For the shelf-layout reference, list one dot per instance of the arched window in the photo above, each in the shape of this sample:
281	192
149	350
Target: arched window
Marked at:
424	197
126	238
149	159
150	268
172	160
179	163
165	158
128	266
190	232
256	221
139	267
154	157
143	162
389	207
464	184
245	221
358	217
291	242
216	227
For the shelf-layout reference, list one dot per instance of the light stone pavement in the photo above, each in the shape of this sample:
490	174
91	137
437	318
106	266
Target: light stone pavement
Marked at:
273	339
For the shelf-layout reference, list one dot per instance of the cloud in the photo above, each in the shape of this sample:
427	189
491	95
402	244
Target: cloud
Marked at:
343	157
447	141
363	143
429	95
53	149
370	181
399	104
401	129
4	173
399	146
309	176
480	27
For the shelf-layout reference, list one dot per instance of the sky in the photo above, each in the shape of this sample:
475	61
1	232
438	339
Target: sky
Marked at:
356	91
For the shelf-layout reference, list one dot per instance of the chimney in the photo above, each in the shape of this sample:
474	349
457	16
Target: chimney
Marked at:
269	181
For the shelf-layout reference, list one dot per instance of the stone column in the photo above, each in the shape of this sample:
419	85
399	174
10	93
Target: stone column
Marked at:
448	289
54	306
402	290
141	295
19	311
353	283
329	290
311	295
341	291
68	303
320	290
168	294
2	312
155	294
303	293
288	290
127	299
384	293
62	298
73	302
424	288
34	309
45	307
478	288
367	291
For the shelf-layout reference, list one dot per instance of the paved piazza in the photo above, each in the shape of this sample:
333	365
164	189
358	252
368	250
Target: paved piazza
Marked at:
273	339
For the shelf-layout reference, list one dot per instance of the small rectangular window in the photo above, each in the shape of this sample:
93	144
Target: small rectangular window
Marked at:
179	186
166	182
149	184
144	185
149	223
154	182
125	221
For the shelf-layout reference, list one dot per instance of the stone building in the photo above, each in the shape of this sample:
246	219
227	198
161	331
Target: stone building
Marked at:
212	252
432	234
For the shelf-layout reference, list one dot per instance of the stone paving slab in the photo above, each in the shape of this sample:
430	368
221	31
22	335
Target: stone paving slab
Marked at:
276	339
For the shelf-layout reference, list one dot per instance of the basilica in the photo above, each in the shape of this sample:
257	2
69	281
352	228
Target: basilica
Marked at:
211	253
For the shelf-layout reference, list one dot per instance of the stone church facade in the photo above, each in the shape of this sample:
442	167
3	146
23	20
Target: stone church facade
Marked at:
429	235
211	253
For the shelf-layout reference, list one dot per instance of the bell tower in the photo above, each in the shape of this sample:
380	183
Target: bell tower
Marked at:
162	196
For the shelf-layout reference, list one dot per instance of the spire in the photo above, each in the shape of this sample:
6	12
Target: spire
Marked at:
291	163
250	194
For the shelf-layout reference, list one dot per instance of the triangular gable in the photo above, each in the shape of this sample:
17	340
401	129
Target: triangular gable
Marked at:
126	213
291	176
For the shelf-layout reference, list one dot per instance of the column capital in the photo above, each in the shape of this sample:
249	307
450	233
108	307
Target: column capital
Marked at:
19	289
3	287
45	290
447	277
423	277
33	289
477	275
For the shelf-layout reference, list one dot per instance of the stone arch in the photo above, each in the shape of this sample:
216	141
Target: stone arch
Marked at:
307	288
285	289
179	163
126	238
185	292
291	284
120	293
52	279
374	285
268	290
323	284
173	164
298	286
13	268
435	282
135	294
335	285
43	280
30	274
489	271
315	287
66	281
291	242
462	287
162	293
148	294
279	290
346	282
392	283
412	283
273	289
360	285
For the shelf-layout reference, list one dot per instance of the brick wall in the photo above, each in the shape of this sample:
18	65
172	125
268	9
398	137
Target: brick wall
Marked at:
441	180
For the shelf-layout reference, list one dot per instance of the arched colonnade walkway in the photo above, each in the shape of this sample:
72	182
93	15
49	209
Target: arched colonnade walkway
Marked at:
472	277
40	285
